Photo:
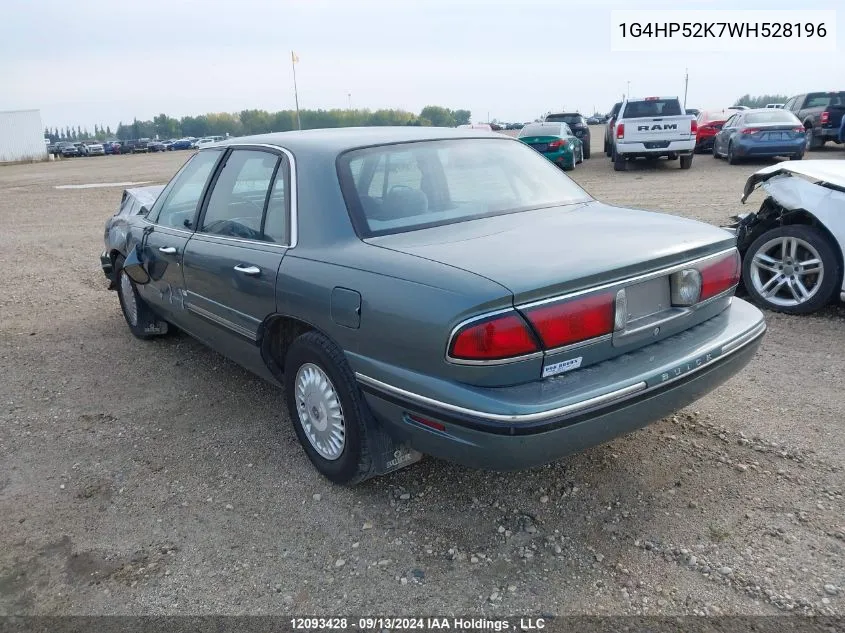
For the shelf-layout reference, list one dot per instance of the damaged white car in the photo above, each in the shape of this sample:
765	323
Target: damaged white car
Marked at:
793	246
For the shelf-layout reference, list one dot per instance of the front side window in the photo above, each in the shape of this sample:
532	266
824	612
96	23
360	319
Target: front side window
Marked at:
236	204
409	186
177	204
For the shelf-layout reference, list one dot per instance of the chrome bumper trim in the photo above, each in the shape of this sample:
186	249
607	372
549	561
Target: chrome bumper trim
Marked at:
540	416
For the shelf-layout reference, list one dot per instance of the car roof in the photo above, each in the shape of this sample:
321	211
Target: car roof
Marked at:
716	115
338	140
564	114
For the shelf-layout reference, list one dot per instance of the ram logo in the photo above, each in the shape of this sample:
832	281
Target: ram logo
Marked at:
657	126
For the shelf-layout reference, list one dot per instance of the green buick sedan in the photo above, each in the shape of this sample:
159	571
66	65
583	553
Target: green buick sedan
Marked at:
556	142
431	291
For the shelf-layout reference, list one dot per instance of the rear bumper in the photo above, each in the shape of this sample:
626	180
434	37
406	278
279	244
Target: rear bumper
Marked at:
528	425
780	148
828	133
704	144
633	150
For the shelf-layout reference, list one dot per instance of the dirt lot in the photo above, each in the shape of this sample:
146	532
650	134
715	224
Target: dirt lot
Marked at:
157	477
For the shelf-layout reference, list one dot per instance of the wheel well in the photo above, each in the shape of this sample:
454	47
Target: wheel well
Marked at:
278	333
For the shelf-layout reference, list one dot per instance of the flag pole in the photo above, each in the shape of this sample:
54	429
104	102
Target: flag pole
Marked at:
686	85
293	60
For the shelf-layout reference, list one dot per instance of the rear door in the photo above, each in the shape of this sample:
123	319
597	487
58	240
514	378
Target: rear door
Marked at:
243	233
170	226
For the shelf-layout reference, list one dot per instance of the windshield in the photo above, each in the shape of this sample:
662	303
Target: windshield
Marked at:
404	187
772	116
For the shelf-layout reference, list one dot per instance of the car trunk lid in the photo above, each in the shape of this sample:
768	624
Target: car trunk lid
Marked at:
548	252
541	143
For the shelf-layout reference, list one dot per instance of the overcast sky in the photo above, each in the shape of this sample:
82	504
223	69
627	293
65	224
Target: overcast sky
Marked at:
83	62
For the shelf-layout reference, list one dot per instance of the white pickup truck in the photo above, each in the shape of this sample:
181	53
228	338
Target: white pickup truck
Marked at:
653	127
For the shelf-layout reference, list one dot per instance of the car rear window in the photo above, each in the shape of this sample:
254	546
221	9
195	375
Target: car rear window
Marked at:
410	186
771	116
825	99
652	107
541	130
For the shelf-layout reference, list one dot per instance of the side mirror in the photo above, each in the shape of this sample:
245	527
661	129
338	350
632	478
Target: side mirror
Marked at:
135	268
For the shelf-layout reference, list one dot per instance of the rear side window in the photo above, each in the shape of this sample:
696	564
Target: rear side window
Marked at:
652	108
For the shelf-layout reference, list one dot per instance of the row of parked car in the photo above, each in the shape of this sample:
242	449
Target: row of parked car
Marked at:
658	127
70	149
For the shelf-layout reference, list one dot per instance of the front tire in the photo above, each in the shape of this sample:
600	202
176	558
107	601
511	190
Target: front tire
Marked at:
328	412
139	316
791	269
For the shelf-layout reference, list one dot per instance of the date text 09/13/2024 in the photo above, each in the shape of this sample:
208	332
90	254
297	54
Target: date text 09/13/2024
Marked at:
417	623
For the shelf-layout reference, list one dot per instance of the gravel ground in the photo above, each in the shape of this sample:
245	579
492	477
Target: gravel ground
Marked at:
158	477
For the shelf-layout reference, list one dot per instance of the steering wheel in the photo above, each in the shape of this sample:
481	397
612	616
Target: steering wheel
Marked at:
231	228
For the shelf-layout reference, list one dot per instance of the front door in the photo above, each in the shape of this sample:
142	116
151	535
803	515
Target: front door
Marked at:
171	225
231	262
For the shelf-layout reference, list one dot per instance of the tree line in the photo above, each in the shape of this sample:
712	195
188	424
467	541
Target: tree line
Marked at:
761	100
249	122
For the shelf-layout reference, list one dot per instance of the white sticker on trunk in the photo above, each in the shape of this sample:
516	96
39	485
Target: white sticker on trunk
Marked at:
559	368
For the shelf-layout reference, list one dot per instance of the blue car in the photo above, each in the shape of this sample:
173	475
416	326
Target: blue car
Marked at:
759	133
182	143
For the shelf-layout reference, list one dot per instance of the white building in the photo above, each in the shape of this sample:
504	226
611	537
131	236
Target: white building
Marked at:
21	136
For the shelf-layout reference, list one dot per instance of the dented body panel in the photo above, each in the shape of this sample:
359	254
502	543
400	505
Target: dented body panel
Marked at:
812	191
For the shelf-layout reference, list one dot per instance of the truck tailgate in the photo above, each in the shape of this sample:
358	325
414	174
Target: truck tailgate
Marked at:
669	128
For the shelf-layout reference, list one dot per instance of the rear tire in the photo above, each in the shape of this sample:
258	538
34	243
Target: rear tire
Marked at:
321	389
814	141
797	156
585	149
619	162
686	161
732	159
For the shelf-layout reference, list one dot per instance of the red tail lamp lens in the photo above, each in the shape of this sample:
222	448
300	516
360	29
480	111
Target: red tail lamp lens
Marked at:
573	321
495	338
720	275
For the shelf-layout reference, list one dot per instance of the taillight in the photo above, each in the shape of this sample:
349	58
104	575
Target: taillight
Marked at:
574	320
694	127
749	130
558	144
494	338
720	275
825	117
798	129
620	130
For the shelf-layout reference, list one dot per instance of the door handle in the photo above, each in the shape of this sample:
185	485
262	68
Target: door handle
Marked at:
252	271
169	250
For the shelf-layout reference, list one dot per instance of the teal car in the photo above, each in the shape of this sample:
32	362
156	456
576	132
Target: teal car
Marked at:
556	142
